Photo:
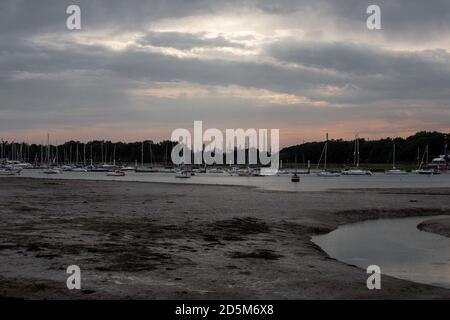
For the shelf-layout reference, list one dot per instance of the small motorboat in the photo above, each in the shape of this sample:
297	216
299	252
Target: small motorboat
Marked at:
295	178
328	174
79	170
184	174
52	171
426	171
116	173
9	172
396	172
215	170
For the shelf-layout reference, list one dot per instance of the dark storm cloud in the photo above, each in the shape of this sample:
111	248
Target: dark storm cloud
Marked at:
28	17
401	19
382	73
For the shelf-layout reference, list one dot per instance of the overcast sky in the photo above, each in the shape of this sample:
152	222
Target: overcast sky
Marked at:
140	69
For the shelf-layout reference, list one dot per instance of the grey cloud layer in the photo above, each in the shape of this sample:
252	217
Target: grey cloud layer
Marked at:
83	84
186	41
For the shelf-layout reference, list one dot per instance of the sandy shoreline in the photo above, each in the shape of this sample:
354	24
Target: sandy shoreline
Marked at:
159	241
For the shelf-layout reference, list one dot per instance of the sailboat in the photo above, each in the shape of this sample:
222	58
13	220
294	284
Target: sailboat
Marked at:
50	170
394	170
422	170
295	177
325	172
356	171
143	169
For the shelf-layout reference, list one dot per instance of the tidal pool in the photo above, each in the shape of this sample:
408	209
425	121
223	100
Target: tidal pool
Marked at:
397	246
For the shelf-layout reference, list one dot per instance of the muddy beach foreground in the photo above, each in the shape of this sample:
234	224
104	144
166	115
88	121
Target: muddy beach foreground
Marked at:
165	241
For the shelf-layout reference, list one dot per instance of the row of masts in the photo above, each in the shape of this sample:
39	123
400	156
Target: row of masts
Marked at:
421	161
49	154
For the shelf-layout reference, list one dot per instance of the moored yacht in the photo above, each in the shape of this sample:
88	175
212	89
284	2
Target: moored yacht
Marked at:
394	170
424	168
356	171
326	173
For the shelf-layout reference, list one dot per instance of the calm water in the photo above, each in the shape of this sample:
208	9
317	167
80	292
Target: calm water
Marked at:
282	182
396	246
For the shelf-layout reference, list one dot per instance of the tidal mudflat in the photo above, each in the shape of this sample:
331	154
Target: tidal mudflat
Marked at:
135	240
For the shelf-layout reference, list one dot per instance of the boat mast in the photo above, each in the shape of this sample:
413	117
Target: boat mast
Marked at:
418	157
76	158
326	151
142	155
103	159
48	149
295	164
56	155
356	155
114	161
393	157
445	145
165	156
42	153
151	155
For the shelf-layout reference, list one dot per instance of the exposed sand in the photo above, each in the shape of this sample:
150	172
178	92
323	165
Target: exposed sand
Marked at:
159	241
439	226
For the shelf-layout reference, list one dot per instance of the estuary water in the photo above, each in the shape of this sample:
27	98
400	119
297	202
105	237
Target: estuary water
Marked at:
309	182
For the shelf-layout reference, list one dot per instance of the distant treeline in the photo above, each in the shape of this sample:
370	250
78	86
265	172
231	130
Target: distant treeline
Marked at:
373	151
339	151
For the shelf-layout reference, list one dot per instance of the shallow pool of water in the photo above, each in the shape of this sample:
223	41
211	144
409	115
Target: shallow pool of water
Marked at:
395	245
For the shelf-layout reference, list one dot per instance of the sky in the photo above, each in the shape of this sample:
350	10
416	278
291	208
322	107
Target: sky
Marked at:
141	69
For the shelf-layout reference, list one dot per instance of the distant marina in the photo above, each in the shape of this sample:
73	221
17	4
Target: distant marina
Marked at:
113	159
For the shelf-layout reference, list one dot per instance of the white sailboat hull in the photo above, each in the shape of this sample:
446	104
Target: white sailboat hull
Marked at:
328	174
356	172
